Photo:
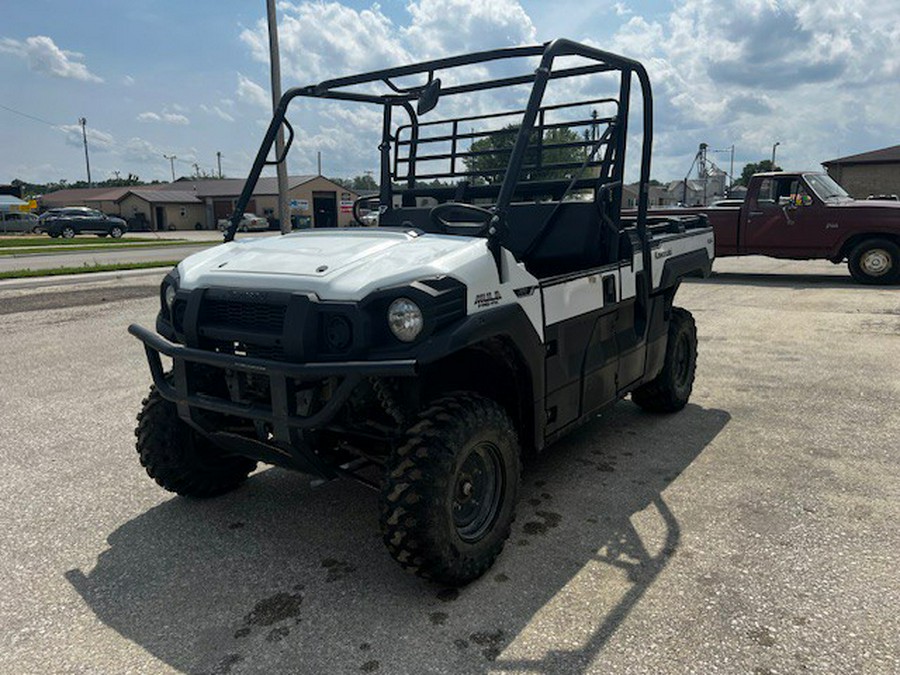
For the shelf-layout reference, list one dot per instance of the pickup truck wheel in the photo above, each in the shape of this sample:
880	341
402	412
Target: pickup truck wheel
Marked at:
670	390
180	459
448	499
68	232
875	261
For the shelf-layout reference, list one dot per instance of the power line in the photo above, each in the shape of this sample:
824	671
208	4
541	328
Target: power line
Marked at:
31	117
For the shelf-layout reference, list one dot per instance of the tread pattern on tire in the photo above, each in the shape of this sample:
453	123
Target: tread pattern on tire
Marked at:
417	480
166	448
659	394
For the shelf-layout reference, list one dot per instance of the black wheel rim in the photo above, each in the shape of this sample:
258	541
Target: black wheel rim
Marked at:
478	492
682	361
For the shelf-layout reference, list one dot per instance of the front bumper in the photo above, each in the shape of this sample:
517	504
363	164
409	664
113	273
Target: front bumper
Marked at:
284	380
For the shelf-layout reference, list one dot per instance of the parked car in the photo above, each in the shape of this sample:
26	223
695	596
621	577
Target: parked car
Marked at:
71	220
18	221
249	221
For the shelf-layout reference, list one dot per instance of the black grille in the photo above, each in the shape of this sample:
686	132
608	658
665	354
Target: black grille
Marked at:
244	315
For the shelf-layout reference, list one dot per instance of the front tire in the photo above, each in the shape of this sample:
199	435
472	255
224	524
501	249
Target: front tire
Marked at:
875	261
116	232
448	499
179	458
671	389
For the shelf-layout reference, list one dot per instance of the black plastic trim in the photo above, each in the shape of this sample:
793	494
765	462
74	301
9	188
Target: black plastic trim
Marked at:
691	264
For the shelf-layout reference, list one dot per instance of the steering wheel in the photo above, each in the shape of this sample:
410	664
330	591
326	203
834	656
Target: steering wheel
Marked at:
358	203
484	216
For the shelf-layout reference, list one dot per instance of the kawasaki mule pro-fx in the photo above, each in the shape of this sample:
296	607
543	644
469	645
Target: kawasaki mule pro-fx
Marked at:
501	301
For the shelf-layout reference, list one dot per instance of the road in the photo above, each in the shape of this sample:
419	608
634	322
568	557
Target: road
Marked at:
754	532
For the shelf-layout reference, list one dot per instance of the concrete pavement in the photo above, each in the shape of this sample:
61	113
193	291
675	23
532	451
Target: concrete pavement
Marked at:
754	532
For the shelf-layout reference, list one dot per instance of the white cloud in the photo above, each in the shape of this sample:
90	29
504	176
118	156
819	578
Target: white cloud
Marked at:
97	140
326	39
167	117
43	56
320	40
250	92
813	74
174	118
445	27
142	151
128	80
810	74
217	112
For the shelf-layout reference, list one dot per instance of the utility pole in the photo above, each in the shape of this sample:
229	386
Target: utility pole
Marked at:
319	161
219	162
777	143
87	160
172	159
284	209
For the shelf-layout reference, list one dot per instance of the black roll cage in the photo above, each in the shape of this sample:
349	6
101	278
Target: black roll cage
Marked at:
610	185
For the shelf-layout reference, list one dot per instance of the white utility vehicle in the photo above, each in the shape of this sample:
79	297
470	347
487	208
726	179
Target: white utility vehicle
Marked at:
501	301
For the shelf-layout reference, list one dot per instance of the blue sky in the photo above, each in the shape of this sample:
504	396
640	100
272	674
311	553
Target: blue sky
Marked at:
190	78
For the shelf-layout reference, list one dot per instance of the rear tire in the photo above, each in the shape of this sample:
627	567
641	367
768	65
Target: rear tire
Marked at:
670	390
875	261
448	499
179	458
68	232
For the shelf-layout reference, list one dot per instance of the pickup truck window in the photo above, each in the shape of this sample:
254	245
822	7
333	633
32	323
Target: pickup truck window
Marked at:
825	187
773	191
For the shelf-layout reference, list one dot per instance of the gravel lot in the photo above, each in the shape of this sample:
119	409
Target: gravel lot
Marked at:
755	532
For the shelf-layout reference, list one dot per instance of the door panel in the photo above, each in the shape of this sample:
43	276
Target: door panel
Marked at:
325	209
582	352
778	227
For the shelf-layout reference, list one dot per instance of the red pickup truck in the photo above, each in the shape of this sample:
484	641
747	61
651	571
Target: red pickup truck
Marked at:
807	215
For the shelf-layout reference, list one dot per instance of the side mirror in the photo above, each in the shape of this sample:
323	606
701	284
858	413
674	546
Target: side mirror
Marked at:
429	97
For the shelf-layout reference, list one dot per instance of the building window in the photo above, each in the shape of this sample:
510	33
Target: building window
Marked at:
183	212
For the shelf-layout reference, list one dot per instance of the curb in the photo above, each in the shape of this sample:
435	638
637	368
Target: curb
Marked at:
72	279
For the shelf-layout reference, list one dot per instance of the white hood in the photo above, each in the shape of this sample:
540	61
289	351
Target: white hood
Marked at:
336	264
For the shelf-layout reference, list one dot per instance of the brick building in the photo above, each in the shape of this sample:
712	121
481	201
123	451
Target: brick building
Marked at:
869	173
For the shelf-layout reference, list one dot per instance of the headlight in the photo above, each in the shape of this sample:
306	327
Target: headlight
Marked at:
405	319
170	296
167	291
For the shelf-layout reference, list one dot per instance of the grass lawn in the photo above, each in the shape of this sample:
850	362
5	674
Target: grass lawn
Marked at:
92	241
58	271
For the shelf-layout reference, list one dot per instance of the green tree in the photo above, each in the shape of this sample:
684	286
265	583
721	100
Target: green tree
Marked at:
364	183
755	167
498	146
